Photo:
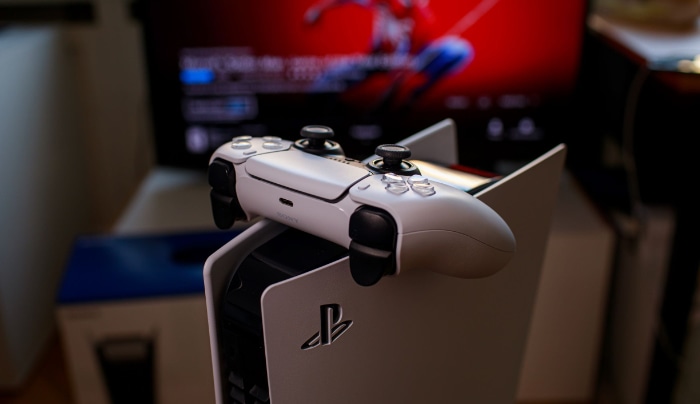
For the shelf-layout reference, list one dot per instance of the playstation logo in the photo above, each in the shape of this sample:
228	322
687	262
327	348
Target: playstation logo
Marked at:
331	327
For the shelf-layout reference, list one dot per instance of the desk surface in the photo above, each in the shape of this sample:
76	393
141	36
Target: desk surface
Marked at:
169	200
646	43
664	52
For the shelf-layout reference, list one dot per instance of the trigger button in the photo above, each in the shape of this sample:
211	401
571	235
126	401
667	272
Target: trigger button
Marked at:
221	177
223	209
368	265
371	251
373	228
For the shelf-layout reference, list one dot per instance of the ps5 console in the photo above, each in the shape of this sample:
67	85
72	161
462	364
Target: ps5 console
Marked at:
316	310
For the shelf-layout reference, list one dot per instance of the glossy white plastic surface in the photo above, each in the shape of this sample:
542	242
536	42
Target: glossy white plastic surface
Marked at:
318	195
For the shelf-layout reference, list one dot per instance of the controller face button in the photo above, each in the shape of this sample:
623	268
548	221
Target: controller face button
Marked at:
397	189
272	144
392	178
241	144
418	179
423	189
242	138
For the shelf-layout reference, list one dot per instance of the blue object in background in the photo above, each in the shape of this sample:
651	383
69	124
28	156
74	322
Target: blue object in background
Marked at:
196	76
109	267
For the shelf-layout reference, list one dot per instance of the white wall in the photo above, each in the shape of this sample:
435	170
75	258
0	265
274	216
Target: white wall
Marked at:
111	78
43	203
75	146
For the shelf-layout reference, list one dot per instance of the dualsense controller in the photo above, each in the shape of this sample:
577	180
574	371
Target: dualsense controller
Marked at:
389	217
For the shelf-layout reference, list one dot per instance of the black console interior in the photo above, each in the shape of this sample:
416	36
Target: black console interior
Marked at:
291	253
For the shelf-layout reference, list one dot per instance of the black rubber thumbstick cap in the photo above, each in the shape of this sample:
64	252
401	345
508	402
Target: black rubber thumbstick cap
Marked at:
316	135
392	154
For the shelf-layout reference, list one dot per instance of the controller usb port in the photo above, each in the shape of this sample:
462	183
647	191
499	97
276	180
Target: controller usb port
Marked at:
286	202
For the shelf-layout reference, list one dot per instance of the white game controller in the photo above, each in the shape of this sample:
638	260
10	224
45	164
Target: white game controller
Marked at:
389	217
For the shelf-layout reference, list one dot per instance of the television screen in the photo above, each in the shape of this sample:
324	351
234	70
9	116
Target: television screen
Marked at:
375	71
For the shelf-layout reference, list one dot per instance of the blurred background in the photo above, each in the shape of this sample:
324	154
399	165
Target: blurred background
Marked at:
109	110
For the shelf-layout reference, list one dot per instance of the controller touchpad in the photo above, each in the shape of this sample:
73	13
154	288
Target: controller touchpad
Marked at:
307	173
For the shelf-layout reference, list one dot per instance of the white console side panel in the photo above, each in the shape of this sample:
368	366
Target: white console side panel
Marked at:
436	144
419	337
